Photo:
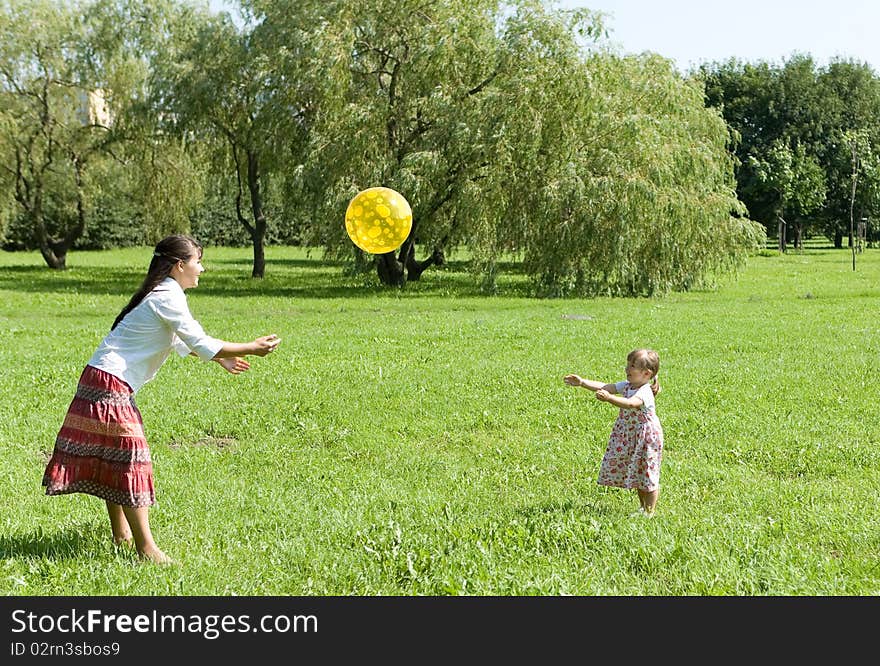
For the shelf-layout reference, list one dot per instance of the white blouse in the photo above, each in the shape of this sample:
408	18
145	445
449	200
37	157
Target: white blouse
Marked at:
138	346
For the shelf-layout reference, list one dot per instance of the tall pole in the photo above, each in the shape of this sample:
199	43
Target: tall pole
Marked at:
852	202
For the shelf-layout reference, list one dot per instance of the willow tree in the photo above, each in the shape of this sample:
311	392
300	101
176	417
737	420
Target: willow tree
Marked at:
73	134
621	182
165	173
48	128
508	135
401	103
216	85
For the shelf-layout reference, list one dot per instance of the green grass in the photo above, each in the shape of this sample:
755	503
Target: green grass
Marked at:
422	441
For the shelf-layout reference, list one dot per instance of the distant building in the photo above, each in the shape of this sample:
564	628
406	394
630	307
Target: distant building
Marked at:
93	108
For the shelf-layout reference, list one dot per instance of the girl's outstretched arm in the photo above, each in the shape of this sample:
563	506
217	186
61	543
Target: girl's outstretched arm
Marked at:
575	380
619	401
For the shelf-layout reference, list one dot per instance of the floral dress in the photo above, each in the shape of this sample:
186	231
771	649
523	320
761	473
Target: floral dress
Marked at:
632	459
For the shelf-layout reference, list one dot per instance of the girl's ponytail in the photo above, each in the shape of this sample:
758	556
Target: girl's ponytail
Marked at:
655	385
168	252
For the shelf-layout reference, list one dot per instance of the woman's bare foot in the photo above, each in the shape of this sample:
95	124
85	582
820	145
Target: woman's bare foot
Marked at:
155	556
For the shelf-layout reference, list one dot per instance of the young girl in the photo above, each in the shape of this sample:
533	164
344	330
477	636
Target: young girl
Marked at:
632	459
101	448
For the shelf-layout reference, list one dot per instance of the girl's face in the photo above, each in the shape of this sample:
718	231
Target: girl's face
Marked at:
187	272
637	376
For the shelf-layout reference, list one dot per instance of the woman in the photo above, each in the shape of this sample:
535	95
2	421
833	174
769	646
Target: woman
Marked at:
101	448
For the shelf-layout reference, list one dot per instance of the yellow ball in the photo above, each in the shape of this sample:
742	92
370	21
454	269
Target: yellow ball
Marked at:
378	220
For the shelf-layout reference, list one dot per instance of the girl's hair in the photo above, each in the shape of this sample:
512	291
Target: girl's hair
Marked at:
168	252
646	359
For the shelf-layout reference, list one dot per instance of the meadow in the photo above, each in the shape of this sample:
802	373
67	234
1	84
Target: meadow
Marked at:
422	442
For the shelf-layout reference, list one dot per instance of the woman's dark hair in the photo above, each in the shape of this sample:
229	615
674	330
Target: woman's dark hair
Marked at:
168	252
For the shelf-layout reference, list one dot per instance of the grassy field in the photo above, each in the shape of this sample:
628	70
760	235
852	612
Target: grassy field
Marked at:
422	442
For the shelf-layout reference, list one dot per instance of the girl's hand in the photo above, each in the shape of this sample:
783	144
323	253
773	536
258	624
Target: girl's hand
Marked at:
265	345
234	366
603	395
573	380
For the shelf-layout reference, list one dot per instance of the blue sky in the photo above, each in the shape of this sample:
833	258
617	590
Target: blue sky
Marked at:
694	31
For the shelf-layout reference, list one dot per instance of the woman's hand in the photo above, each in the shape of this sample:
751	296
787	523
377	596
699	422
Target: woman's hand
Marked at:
235	365
265	345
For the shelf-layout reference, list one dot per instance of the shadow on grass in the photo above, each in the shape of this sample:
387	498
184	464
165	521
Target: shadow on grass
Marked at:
38	279
305	263
294	279
63	544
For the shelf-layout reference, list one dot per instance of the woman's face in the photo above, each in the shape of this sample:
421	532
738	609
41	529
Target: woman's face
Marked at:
187	272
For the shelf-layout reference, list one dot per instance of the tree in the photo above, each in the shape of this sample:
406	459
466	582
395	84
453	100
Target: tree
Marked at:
798	182
169	171
643	201
769	108
852	98
606	175
52	121
864	172
401	104
74	133
215	85
806	109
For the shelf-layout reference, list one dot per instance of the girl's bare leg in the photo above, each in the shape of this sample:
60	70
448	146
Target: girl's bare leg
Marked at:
648	500
118	524
139	520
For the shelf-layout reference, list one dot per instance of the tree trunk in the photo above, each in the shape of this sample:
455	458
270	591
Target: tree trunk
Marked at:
54	252
397	271
259	242
415	268
258	230
838	239
782	239
30	196
856	164
390	270
78	229
55	260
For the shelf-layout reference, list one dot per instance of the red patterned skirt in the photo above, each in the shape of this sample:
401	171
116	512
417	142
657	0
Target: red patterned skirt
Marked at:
101	448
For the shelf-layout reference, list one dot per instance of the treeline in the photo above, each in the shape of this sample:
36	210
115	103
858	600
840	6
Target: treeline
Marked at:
807	143
510	128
